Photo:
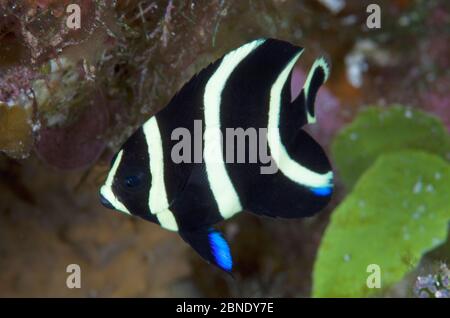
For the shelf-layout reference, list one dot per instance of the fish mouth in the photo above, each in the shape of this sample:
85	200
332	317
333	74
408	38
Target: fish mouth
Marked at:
105	202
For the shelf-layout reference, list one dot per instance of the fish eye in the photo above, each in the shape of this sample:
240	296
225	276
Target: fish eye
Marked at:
133	181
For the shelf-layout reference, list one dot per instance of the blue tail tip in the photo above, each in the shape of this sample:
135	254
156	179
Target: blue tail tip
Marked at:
221	251
322	191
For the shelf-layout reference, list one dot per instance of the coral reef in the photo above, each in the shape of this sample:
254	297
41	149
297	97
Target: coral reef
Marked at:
437	285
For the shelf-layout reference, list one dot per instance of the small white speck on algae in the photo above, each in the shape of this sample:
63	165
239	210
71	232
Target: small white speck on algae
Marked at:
347	257
416	215
418	187
436	241
421	208
408	113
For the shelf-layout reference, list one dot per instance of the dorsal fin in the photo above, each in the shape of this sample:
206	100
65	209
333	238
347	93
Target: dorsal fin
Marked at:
317	75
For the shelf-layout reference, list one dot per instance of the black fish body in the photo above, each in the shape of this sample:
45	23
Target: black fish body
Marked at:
248	88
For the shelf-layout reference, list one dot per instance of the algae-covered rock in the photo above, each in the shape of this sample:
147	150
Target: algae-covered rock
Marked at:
42	25
16	112
377	130
15	131
397	211
64	93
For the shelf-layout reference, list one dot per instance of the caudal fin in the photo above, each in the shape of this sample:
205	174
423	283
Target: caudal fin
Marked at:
211	246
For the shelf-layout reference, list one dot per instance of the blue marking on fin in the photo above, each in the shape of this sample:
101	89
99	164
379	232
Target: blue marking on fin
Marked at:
322	191
220	251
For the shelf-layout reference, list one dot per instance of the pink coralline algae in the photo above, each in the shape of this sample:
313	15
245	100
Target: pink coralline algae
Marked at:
78	144
15	84
436	99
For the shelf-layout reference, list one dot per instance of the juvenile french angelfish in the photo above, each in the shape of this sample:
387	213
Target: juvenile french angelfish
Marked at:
248	87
